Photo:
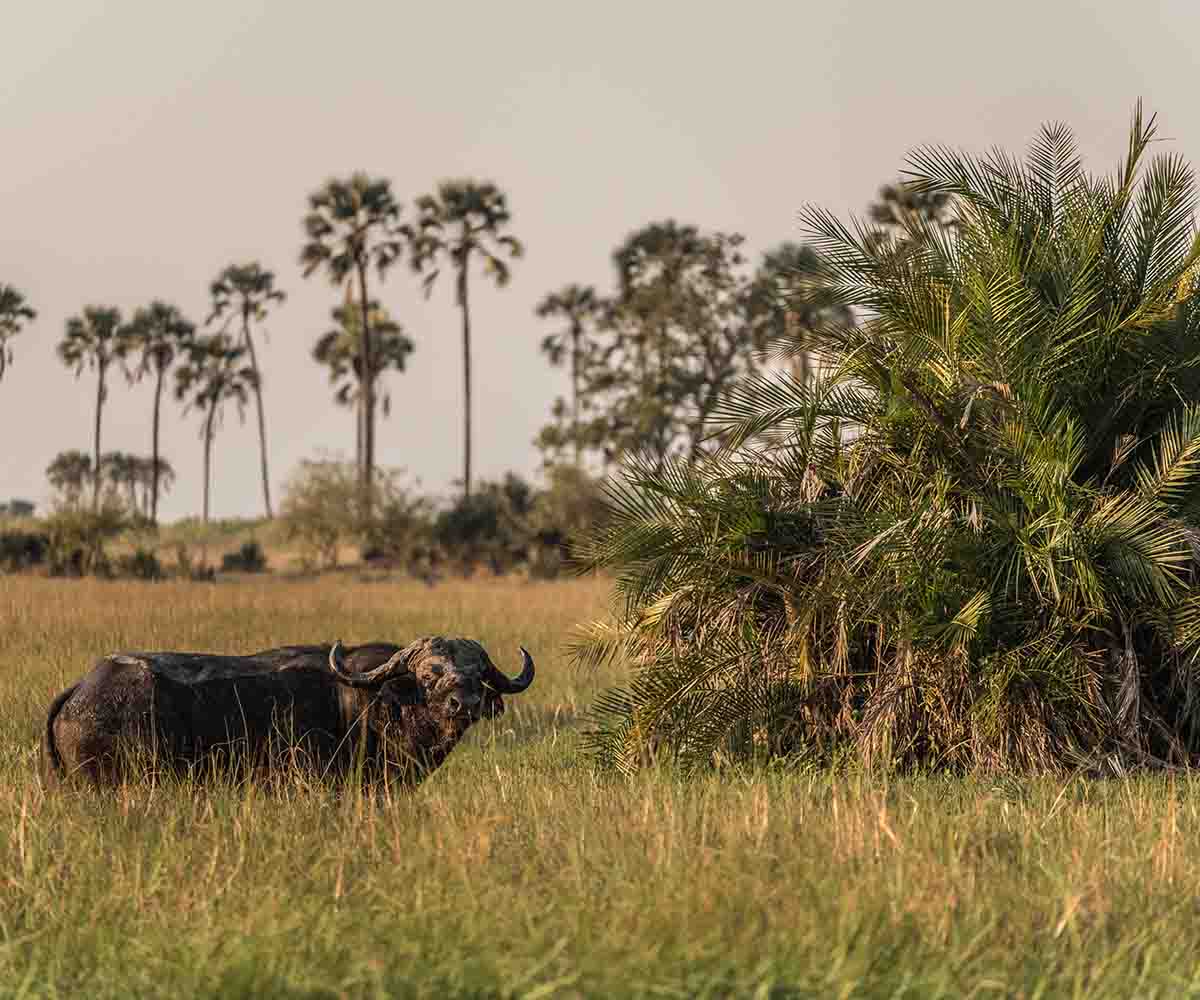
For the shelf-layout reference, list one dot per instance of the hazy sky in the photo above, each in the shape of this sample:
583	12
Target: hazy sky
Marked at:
145	145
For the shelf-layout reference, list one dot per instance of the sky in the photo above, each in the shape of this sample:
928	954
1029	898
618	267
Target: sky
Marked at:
146	145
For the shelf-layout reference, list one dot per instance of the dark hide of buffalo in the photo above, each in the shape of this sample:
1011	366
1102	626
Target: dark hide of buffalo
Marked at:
388	711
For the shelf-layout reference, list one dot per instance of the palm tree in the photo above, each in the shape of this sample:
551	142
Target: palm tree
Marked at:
579	306
120	469
69	473
998	568
462	220
14	314
351	226
154	476
340	349
213	373
161	333
247	291
94	340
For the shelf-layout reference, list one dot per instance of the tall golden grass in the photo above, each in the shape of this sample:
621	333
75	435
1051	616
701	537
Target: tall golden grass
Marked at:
517	870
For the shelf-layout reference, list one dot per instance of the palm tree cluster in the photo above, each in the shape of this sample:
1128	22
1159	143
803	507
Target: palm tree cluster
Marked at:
136	478
353	226
153	343
970	541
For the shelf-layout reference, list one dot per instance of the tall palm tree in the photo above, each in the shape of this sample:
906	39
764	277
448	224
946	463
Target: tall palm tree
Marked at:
998	568
246	291
579	306
340	350
212	374
462	220
14	314
94	339
161	333
353	225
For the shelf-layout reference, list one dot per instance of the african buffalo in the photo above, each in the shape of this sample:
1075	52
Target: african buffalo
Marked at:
396	712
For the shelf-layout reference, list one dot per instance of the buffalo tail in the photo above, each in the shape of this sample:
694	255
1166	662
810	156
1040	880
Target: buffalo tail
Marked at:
54	763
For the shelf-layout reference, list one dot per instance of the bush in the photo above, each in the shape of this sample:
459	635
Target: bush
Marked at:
322	510
143	564
21	550
489	527
188	568
77	538
562	518
250	558
996	569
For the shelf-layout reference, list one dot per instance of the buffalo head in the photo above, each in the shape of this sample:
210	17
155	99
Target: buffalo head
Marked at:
452	683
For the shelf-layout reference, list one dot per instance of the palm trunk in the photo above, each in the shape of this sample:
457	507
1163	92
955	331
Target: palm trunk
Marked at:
262	424
367	393
358	435
158	387
96	440
575	337
208	435
466	327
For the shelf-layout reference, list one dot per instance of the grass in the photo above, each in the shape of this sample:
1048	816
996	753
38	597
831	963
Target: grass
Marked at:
518	871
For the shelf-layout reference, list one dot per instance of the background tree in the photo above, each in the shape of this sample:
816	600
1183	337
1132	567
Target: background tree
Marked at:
464	219
903	204
247	291
340	350
14	314
94	340
351	226
579	307
790	298
682	328
69	473
161	333
213	373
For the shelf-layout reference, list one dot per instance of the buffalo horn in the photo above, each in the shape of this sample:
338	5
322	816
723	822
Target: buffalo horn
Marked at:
371	678
512	685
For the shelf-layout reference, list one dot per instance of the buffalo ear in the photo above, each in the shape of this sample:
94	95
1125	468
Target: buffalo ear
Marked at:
402	690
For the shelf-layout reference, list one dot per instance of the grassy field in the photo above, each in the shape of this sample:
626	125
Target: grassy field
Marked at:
517	871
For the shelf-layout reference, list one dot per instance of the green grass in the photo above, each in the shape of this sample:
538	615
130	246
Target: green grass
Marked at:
517	871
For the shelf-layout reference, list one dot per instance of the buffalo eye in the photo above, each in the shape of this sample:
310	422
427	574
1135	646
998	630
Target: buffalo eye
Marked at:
403	690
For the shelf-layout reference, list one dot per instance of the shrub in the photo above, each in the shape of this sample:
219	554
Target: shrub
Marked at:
143	564
22	549
561	518
320	509
77	538
188	568
970	542
489	527
250	558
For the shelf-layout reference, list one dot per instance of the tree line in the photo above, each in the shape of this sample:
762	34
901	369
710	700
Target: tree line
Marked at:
648	361
354	234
